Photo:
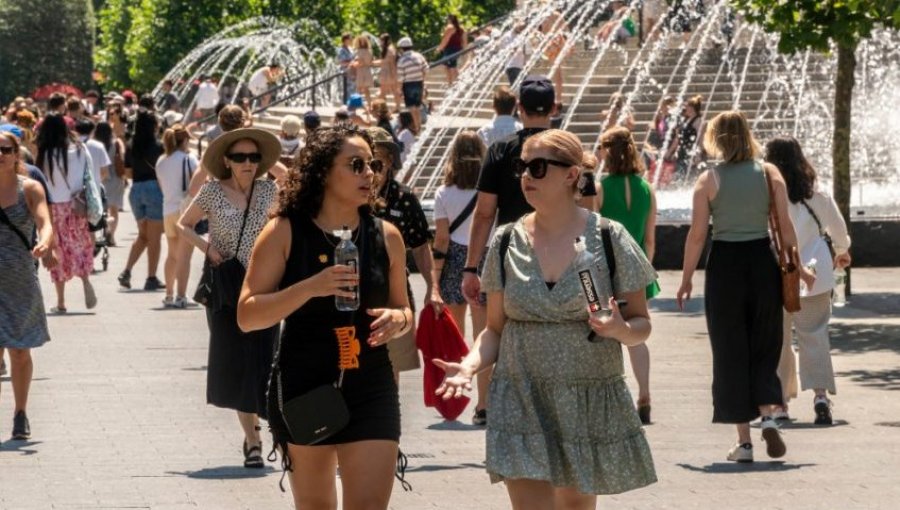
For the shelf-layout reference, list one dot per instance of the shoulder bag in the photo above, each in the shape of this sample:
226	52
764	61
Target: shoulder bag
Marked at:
464	214
220	286
825	236
788	261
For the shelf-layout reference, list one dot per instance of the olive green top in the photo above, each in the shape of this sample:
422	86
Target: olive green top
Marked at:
740	211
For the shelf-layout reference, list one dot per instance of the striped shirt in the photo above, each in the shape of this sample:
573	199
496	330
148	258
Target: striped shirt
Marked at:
411	67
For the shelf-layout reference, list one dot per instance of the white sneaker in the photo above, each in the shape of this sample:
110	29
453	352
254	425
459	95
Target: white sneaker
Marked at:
168	302
775	446
781	415
180	302
741	453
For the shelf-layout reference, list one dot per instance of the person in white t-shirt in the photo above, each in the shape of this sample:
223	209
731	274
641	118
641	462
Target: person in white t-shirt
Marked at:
207	97
264	79
99	157
454	203
406	135
522	51
504	124
174	171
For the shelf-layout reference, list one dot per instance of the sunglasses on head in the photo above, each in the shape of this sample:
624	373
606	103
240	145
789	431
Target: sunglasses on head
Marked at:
7	150
241	157
537	167
358	166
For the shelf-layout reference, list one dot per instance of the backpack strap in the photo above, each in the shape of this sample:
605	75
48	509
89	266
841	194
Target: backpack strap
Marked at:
504	247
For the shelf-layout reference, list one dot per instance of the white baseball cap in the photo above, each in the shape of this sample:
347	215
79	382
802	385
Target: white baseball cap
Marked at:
405	42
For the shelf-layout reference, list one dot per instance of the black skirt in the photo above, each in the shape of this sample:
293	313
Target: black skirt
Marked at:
239	363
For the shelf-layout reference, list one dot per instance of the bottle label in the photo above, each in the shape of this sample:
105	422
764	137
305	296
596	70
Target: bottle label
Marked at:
589	289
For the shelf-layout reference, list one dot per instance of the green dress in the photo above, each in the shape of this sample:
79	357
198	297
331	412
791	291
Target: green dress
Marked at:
560	409
634	219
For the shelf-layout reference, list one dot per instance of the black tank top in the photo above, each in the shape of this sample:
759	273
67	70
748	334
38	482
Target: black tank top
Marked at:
313	335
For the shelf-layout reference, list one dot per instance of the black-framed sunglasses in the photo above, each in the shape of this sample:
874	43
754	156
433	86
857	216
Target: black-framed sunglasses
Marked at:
358	165
536	168
241	157
7	150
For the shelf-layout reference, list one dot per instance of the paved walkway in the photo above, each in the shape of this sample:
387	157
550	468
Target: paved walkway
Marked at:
119	419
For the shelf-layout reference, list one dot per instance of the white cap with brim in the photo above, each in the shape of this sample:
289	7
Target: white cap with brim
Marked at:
405	42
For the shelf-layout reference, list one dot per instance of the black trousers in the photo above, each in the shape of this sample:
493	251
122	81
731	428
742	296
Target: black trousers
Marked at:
743	316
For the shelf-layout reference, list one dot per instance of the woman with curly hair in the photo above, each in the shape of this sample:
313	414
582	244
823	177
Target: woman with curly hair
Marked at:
293	277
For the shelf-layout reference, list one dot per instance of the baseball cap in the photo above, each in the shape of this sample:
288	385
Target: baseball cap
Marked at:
12	128
537	95
405	42
355	101
311	120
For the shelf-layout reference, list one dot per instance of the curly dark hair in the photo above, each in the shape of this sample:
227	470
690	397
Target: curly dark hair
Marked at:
304	189
799	175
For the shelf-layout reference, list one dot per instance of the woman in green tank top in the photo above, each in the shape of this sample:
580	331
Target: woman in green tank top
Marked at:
629	199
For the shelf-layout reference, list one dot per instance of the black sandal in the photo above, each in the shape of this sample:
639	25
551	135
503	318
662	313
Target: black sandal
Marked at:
253	456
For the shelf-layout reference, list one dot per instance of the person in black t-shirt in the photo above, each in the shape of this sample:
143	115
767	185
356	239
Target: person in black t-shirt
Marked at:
499	189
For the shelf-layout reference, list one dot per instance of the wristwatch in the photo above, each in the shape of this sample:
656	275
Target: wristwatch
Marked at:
473	270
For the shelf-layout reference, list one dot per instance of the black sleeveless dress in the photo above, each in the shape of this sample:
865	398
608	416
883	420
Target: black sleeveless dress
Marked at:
310	354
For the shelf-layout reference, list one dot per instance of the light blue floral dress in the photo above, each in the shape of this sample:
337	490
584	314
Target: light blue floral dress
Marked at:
560	409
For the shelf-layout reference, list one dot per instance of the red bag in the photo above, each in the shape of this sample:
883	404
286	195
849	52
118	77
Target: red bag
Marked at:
437	336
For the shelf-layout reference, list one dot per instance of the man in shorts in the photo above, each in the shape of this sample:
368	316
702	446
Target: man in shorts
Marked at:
411	70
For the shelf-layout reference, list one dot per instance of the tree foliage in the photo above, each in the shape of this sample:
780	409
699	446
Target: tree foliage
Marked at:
53	43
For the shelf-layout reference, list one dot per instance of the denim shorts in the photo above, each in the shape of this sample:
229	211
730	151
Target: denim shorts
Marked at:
146	200
412	93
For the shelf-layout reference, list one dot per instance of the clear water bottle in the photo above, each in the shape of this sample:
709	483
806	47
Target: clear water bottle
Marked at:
840	288
347	254
586	267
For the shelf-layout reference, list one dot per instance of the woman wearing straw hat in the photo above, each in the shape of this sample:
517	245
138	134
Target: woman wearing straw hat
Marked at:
236	202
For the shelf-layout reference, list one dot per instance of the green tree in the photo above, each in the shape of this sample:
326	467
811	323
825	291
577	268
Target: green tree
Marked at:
816	24
114	22
40	44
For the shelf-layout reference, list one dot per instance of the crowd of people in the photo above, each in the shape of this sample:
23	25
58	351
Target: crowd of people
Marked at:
267	212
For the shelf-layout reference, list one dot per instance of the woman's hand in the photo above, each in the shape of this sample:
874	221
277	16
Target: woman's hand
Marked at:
215	258
457	379
435	300
41	249
684	294
388	324
613	326
334	281
807	276
843	260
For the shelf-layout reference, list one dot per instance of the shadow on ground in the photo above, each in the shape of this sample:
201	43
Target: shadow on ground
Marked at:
454	425
693	307
888	379
225	473
434	467
870	304
857	337
17	446
738	468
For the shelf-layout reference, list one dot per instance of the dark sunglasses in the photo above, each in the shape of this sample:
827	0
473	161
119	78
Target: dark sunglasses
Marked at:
241	157
358	166
536	168
7	150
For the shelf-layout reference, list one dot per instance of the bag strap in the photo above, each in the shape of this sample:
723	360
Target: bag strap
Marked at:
186	170
774	223
244	221
606	236
6	221
815	217
504	247
464	215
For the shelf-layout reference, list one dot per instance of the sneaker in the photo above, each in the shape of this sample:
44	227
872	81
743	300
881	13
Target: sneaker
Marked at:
480	417
822	407
125	279
152	284
180	302
781	415
168	302
21	427
741	452
775	446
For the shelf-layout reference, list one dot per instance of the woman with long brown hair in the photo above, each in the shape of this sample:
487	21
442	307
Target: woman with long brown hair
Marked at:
630	200
387	72
453	40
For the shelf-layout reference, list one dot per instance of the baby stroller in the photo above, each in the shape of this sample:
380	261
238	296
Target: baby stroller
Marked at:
100	231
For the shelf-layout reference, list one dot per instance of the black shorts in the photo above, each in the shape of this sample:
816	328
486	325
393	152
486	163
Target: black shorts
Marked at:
451	63
412	93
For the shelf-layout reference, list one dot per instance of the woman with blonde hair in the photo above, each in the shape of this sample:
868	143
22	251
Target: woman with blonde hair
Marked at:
454	203
387	72
630	200
617	113
562	427
174	171
742	292
363	64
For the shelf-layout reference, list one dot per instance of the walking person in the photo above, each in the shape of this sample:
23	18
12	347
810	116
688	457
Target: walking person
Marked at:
145	197
657	144
23	322
503	125
398	205
815	216
387	73
115	182
453	40
741	268
345	59
630	200
362	63
236	202
406	136
411	70
454	202
687	148
294	277
174	171
562	428
66	165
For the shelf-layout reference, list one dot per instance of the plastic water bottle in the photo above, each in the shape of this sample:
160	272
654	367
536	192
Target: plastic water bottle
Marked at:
586	268
804	290
347	254
840	288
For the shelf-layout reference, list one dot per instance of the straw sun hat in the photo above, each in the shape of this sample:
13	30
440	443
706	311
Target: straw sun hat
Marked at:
266	143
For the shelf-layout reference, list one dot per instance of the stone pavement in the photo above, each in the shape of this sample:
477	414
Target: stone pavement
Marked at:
119	418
